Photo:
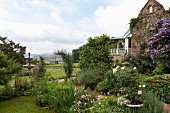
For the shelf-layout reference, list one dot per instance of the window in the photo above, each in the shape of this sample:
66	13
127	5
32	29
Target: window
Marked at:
150	9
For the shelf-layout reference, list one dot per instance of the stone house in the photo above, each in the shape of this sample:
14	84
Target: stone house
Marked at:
142	27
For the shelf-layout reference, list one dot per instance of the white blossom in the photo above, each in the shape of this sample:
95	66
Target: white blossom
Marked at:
139	92
122	68
143	85
134	68
117	67
114	70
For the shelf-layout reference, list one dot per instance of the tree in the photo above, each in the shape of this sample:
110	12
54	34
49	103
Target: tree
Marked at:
12	50
76	55
7	69
95	52
68	62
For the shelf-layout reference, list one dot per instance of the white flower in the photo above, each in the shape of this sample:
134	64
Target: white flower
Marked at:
114	70
143	85
117	67
139	85
139	92
134	68
122	68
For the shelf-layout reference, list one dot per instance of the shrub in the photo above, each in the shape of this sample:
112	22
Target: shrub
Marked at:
110	84
24	88
106	105
56	95
161	89
144	63
151	104
6	92
90	77
161	68
62	97
83	101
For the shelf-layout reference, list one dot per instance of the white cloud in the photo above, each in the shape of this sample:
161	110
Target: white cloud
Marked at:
56	16
21	7
114	19
111	20
3	14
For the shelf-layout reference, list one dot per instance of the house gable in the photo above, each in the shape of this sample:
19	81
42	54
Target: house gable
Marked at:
151	6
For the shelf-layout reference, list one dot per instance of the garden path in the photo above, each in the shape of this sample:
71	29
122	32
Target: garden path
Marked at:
167	107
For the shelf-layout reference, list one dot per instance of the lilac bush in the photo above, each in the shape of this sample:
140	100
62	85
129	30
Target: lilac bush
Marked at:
159	43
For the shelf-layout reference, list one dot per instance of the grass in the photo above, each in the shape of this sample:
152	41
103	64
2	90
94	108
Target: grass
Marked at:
24	104
75	65
55	73
58	72
142	77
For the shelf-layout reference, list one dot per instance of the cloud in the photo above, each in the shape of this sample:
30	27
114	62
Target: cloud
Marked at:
58	32
3	14
56	16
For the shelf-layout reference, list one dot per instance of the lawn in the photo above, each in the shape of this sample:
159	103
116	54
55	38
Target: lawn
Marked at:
24	104
58	72
75	65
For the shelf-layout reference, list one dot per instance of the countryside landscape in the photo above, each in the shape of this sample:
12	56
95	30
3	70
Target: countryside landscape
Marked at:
64	57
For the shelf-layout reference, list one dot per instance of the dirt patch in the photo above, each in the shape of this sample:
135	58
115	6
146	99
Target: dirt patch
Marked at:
167	108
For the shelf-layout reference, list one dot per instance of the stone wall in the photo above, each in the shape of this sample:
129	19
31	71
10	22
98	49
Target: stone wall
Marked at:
144	25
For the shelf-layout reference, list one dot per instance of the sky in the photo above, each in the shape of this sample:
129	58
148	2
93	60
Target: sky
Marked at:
44	26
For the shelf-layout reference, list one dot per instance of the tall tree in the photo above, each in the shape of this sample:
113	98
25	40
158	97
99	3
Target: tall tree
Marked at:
96	52
76	55
12	50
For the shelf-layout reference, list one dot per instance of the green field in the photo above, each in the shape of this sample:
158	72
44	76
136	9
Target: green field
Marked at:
57	72
24	104
75	65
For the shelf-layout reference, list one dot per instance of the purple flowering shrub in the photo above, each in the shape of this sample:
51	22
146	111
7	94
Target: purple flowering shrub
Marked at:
159	43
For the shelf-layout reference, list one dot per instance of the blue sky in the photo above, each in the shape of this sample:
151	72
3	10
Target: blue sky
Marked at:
47	25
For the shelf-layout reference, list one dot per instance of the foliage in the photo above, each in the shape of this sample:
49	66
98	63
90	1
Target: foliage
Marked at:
95	53
151	104
127	77
161	88
161	68
59	96
83	101
159	43
7	69
106	105
133	23
110	84
90	77
39	71
42	68
24	88
12	50
6	92
142	62
68	62
76	55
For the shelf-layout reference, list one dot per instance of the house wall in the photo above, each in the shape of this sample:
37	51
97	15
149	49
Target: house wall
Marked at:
145	24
